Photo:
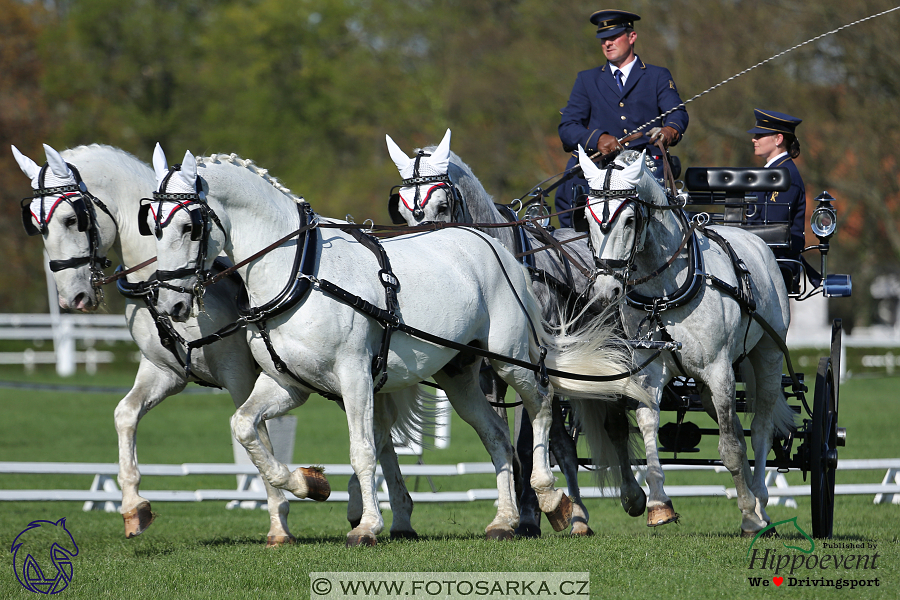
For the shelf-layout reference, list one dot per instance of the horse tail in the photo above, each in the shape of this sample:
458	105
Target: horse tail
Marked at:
411	415
599	422
594	350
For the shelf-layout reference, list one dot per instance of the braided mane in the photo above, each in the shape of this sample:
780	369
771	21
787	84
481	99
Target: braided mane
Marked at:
234	159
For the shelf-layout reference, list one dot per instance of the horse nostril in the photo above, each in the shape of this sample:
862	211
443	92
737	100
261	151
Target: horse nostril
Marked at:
82	301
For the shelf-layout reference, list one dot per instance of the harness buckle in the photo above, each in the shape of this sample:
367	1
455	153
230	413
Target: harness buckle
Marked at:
389	280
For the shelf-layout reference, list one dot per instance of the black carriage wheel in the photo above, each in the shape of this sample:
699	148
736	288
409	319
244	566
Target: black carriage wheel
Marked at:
823	450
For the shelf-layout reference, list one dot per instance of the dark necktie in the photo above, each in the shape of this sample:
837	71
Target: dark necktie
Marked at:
619	80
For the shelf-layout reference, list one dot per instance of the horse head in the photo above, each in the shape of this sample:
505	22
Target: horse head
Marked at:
76	238
186	241
427	192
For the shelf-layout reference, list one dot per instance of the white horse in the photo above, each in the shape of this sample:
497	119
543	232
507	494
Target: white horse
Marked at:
76	228
700	302
447	191
455	285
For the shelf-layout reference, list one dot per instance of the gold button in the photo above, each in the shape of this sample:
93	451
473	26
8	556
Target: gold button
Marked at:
622	117
621	104
626	144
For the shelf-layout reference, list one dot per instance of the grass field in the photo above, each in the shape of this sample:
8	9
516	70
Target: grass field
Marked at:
196	550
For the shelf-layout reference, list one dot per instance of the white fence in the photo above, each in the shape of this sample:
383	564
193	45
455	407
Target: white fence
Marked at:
64	330
104	494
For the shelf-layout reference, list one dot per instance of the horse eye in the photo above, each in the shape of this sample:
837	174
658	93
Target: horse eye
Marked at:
186	229
70	221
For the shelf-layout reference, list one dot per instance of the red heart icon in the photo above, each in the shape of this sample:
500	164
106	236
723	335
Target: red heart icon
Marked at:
778	580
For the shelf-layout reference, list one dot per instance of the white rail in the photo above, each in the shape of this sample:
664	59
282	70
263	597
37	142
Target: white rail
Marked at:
64	330
104	490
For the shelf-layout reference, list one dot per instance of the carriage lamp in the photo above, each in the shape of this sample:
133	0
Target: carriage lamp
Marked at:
824	218
540	213
824	223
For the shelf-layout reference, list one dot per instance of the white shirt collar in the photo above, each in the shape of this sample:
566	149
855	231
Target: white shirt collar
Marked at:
775	159
626	70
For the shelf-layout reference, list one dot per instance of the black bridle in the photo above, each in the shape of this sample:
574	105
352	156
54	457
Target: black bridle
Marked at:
82	203
443	182
615	267
202	218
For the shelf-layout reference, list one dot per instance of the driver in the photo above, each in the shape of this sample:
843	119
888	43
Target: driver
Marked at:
612	100
775	141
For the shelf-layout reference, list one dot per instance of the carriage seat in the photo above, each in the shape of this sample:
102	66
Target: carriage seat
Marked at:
727	194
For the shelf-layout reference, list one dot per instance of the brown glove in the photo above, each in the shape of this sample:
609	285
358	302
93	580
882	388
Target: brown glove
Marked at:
608	144
669	135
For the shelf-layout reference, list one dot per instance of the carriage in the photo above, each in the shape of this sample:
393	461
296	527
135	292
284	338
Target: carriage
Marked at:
725	197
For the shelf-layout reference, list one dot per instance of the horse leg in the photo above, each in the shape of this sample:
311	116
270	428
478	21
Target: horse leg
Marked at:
276	503
152	385
529	511
270	399
398	494
537	402
631	495
238	378
468	401
771	411
401	502
566	454
659	506
732	447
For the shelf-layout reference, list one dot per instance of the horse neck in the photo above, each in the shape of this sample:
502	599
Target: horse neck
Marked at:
119	181
664	236
481	205
254	214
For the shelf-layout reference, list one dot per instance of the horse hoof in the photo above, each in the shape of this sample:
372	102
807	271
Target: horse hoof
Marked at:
138	519
562	516
770	533
662	515
529	530
498	533
635	507
319	488
404	535
361	539
583	531
274	541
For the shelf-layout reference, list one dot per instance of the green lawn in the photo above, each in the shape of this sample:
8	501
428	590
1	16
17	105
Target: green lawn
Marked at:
205	551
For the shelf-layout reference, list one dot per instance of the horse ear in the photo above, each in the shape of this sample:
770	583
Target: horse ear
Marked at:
160	165
57	164
189	168
441	156
633	172
403	162
592	172
28	166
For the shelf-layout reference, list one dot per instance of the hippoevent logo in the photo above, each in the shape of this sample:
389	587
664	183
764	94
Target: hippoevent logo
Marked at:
42	556
804	567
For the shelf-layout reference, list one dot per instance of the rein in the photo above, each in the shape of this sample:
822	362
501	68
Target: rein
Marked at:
120	274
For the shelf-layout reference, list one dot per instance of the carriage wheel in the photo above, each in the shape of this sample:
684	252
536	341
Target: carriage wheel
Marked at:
823	440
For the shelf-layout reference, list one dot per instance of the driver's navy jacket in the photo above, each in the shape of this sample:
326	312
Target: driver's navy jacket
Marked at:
596	106
785	207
